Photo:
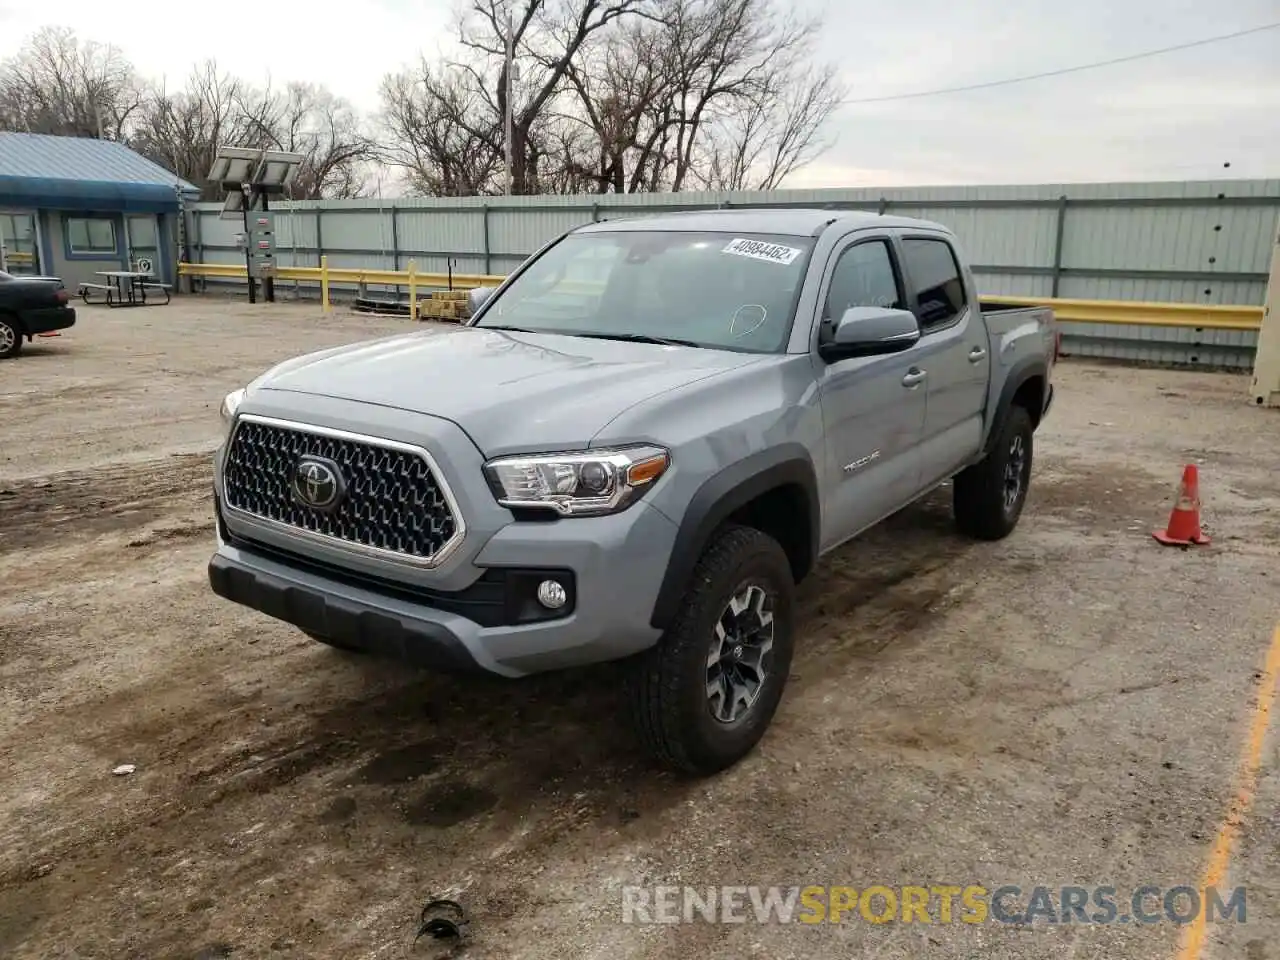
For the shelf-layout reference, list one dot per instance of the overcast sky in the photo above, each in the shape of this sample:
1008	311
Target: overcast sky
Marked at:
1178	116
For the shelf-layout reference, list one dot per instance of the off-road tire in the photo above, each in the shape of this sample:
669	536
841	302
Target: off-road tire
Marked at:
10	337
667	684
979	493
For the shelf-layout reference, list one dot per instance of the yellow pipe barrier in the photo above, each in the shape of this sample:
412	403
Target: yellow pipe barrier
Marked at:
1143	313
1136	312
345	275
413	289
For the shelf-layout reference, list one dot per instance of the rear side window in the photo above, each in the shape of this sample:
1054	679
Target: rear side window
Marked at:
863	277
935	276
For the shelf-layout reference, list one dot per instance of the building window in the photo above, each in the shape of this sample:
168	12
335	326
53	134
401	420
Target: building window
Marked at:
91	235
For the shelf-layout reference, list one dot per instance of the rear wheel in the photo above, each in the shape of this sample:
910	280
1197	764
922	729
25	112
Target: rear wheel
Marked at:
704	696
989	496
10	337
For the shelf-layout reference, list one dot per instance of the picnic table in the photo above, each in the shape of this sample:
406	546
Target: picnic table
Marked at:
126	288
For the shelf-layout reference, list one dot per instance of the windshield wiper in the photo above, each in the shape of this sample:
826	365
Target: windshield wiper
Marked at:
495	326
640	338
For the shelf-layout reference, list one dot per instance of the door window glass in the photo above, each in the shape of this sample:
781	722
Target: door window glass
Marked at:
863	277
935	277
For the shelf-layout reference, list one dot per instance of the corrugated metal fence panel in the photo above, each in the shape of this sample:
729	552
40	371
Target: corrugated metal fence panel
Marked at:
523	233
1178	238
998	284
423	230
358	231
1004	237
1161	291
214	231
1180	346
1149	241
1245	239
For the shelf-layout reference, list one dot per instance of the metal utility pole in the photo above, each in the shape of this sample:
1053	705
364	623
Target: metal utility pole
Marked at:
247	190
508	118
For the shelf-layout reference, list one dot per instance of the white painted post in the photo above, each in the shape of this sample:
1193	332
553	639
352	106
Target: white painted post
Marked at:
1266	365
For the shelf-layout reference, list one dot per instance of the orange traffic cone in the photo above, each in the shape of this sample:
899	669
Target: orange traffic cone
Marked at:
1184	521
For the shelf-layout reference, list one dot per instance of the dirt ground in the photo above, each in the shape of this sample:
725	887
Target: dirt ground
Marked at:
1066	707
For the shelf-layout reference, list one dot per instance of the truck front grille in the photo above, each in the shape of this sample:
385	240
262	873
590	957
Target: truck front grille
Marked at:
392	503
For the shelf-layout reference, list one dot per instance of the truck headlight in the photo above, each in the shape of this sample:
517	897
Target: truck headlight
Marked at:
588	483
230	404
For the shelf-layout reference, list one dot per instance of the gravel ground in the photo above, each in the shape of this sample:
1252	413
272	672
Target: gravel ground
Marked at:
1067	707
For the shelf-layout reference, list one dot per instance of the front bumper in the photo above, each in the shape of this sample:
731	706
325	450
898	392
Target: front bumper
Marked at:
613	565
353	621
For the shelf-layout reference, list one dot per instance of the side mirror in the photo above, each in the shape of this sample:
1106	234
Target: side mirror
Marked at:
477	297
870	332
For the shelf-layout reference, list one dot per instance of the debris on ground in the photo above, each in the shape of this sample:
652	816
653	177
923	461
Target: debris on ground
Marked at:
441	919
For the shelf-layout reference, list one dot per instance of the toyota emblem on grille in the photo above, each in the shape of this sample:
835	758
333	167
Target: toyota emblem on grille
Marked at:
318	483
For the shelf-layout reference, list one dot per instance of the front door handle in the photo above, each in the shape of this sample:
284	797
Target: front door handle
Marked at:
913	378
976	354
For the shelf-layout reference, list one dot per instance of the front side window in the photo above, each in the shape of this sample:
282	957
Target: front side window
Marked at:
89	235
716	290
863	277
935	276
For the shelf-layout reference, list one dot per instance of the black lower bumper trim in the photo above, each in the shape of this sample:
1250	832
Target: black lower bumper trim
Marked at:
48	319
348	623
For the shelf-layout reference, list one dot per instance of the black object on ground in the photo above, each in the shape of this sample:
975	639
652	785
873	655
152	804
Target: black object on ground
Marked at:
442	919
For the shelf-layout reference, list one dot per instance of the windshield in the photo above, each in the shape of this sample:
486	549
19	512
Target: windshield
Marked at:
727	291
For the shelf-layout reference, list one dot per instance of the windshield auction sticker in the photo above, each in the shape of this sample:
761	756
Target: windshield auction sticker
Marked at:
758	250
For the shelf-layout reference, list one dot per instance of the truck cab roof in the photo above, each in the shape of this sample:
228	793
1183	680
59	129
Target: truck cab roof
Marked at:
788	221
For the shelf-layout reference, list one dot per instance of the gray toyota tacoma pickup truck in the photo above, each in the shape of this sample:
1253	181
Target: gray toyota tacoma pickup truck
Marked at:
634	449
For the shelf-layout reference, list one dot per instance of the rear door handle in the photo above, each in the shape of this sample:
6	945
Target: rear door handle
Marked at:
976	354
913	378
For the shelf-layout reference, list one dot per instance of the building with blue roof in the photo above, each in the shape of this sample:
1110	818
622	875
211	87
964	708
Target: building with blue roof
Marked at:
71	206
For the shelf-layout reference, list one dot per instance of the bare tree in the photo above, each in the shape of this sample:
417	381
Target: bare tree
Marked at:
745	99
183	130
309	120
623	105
617	96
549	35
60	85
441	131
771	132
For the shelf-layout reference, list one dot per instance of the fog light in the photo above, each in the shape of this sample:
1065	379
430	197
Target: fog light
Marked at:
552	595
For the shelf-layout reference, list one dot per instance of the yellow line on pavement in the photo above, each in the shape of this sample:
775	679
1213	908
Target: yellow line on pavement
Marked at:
1246	781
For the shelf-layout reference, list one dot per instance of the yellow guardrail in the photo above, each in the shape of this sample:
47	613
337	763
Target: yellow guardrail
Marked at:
1139	313
1142	313
326	275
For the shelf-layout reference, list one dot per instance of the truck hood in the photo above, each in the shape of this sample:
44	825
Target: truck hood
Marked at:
511	392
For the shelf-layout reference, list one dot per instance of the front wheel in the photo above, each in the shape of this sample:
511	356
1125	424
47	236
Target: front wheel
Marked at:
988	497
704	696
10	338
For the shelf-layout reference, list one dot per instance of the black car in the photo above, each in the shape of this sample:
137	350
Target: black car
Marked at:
31	306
